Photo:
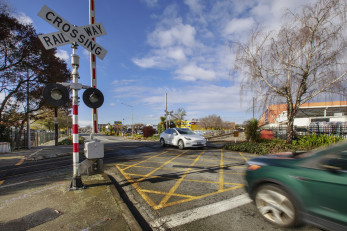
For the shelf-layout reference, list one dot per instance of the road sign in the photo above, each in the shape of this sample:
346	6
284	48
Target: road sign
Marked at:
59	38
79	35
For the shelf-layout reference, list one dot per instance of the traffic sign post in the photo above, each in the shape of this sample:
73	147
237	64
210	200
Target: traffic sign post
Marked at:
84	36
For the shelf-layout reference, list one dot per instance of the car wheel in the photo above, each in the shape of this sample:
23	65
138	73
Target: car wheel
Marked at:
162	142
276	206
180	144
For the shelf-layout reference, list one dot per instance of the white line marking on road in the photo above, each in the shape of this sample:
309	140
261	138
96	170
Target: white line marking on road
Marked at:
188	216
22	182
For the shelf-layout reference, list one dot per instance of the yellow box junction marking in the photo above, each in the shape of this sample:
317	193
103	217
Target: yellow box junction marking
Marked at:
243	157
167	195
221	178
20	162
174	188
11	157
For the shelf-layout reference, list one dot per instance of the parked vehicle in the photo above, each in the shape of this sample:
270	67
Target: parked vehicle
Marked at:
289	190
182	138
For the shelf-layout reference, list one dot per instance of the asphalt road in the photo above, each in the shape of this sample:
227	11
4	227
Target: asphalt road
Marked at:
192	189
168	188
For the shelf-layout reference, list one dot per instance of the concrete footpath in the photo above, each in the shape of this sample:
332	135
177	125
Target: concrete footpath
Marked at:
45	203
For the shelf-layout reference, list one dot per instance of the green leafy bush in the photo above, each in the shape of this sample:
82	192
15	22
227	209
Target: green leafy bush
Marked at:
252	132
68	141
155	137
4	134
264	147
314	140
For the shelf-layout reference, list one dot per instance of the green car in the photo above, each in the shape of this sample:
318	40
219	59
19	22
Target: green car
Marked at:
292	189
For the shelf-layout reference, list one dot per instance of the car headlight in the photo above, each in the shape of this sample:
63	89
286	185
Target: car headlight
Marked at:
187	138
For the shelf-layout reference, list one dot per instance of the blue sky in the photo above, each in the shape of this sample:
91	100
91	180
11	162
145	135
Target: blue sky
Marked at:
163	46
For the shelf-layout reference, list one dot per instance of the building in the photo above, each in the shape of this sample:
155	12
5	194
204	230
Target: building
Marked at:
191	124
100	126
276	115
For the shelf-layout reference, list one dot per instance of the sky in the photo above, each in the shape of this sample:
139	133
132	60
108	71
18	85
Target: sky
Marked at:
155	47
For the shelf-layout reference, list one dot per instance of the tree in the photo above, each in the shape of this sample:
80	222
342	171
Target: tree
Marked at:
25	67
137	127
45	119
252	134
162	124
305	58
179	116
211	122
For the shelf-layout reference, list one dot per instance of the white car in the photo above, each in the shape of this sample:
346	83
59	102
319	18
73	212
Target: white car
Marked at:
181	137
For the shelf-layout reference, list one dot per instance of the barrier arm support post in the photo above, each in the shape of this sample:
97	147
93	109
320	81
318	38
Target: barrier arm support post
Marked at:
76	182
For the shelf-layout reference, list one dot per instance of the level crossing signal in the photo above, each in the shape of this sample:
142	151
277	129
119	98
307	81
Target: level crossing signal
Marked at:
57	95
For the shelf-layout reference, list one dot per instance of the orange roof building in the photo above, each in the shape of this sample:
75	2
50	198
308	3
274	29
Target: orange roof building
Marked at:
307	113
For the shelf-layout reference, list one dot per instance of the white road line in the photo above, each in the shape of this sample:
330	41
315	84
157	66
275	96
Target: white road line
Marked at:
188	216
22	182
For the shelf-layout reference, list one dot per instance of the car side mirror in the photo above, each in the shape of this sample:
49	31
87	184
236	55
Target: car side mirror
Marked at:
175	134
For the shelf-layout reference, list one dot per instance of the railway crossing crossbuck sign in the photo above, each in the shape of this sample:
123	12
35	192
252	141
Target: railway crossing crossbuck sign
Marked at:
69	33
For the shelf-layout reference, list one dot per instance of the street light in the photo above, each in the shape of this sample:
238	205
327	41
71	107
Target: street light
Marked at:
132	129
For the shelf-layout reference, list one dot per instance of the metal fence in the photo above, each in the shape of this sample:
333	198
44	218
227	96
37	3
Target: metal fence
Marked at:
37	138
319	128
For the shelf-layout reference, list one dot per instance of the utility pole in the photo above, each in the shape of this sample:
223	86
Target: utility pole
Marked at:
132	121
166	110
253	106
56	126
28	111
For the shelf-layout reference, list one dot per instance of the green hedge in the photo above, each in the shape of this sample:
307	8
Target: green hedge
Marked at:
264	147
68	141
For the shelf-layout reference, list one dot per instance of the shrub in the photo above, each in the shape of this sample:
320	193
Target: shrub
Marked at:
148	131
314	140
4	134
264	147
252	133
155	137
68	141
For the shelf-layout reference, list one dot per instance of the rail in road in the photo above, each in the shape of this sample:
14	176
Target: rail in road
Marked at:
22	167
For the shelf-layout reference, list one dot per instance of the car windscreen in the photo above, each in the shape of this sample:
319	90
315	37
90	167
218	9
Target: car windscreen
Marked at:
185	131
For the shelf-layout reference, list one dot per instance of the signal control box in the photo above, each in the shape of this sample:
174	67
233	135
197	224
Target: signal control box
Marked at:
94	150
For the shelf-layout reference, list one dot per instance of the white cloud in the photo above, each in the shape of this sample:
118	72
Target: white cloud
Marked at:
238	25
151	3
148	62
177	35
23	18
193	45
176	53
62	55
84	123
194	6
86	54
191	72
202	99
